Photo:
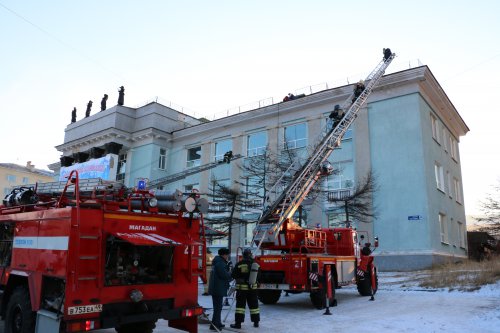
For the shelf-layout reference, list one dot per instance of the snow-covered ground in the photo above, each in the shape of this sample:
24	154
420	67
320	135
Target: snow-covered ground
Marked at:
400	306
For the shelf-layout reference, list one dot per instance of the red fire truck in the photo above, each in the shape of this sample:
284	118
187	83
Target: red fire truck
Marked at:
315	260
86	254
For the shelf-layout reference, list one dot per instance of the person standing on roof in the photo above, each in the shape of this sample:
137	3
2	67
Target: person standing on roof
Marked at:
103	102
218	285
73	115
387	54
245	273
121	96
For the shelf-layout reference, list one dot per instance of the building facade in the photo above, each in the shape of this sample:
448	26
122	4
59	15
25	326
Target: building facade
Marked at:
12	175
406	135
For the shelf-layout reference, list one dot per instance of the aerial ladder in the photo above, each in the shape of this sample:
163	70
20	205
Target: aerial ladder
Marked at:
228	157
282	204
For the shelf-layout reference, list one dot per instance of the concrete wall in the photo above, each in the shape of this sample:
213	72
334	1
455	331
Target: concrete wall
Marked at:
397	159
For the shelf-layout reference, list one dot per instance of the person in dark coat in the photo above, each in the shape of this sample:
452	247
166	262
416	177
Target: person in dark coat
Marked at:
89	107
387	54
246	291
121	96
103	102
218	285
358	90
73	115
336	115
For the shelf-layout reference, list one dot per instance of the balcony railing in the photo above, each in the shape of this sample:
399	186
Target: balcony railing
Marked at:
253	204
339	194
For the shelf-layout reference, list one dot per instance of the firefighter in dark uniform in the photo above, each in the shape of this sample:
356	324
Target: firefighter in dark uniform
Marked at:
245	273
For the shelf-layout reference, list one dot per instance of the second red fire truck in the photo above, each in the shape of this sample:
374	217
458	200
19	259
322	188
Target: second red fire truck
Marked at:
315	260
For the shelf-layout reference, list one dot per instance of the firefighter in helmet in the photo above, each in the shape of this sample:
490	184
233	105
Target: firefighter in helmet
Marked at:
246	273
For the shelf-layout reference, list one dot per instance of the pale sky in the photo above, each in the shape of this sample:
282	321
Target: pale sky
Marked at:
211	56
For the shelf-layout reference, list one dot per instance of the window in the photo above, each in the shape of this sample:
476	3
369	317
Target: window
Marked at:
254	187
435	128
11	178
338	180
295	136
448	179
347	135
458	190
219	203
122	167
453	148
336	220
461	234
163	159
25	180
190	187
6	191
341	178
256	144
444	228
445	145
222	147
438	169
193	157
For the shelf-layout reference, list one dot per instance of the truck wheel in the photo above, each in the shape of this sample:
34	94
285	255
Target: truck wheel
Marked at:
318	298
19	318
142	327
269	296
364	284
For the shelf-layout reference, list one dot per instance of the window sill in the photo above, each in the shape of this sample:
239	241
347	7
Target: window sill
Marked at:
440	190
445	243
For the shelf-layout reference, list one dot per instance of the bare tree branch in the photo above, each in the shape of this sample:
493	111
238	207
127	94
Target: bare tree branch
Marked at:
491	209
358	205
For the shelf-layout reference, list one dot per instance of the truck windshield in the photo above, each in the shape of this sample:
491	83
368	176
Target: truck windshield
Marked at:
129	264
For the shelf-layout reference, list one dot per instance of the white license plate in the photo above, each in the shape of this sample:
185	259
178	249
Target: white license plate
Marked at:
268	286
77	310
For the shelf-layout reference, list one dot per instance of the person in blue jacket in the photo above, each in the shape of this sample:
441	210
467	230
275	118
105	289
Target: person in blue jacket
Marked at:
218	285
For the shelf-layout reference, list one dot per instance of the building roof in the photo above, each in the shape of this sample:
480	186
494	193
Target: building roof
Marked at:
418	79
156	122
28	169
